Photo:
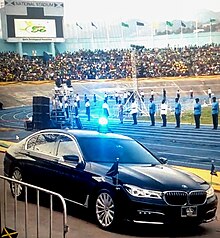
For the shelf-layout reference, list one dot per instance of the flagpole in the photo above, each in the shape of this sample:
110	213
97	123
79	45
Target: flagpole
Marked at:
197	43
210	32
213	171
152	34
92	39
77	34
137	32
181	28
107	33
167	34
181	34
122	36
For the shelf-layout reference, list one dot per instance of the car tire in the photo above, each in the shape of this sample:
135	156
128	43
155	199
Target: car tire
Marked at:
17	190
106	213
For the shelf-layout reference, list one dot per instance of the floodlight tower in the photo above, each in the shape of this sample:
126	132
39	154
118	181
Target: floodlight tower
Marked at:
134	71
136	94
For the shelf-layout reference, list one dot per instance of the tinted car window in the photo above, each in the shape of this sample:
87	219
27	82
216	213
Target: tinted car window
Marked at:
107	150
66	146
43	143
31	143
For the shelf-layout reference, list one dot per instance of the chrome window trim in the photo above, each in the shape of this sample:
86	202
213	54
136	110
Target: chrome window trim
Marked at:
56	158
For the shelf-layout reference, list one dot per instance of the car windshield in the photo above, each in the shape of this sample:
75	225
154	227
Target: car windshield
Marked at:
106	150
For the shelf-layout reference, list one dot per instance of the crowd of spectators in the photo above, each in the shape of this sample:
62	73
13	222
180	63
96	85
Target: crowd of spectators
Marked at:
113	64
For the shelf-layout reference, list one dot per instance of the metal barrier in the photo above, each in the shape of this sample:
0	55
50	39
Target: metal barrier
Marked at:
4	208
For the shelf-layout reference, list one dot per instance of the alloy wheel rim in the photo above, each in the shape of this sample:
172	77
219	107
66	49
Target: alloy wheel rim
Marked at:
105	209
16	188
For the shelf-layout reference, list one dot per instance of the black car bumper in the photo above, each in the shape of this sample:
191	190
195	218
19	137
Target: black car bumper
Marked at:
165	214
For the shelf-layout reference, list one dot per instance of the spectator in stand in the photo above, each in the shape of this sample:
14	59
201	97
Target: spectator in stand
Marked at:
112	64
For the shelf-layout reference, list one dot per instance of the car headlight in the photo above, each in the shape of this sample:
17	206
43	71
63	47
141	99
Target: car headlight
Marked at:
142	193
210	192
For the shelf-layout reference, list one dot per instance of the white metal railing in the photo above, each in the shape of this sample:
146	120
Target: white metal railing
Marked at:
4	206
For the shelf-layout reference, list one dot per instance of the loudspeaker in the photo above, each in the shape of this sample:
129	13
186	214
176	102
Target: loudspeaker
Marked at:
43	108
41	121
41	100
41	112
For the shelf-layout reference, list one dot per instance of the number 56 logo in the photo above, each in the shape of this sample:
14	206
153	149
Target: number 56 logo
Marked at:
31	28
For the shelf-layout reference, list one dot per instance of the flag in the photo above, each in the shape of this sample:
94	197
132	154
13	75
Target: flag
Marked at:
168	23
93	25
212	20
213	170
7	232
139	23
124	24
79	26
113	170
183	24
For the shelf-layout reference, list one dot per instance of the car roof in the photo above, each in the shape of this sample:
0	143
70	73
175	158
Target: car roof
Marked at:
85	133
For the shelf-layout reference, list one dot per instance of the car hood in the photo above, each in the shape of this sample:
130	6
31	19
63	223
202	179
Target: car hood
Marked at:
156	177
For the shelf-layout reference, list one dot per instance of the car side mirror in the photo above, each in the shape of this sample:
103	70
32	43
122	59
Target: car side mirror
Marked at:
163	160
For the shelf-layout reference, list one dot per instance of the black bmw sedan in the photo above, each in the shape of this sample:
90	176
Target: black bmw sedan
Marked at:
114	176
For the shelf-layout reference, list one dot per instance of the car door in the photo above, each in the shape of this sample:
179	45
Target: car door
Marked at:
39	151
48	168
71	173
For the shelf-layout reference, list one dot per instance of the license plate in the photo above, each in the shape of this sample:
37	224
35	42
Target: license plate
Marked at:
189	211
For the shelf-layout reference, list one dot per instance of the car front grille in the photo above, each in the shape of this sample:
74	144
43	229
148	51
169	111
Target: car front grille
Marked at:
180	198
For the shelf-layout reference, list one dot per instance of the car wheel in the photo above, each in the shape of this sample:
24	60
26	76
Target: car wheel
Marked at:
17	190
105	210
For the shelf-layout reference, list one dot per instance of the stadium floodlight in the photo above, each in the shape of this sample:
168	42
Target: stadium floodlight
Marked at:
141	106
